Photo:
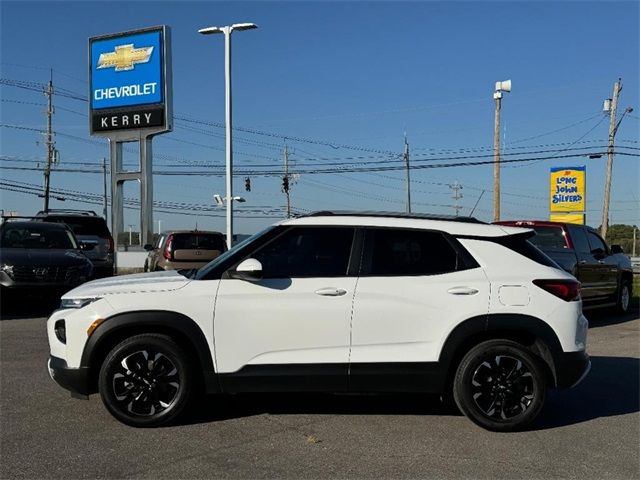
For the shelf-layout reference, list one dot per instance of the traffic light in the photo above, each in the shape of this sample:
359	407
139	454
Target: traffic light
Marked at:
247	184
285	184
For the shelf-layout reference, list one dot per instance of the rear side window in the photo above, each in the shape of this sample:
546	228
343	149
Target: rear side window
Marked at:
83	225
520	244
596	242
197	241
398	252
548	237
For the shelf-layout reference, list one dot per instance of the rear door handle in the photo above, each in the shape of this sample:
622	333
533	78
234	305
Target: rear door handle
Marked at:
330	292
583	262
462	291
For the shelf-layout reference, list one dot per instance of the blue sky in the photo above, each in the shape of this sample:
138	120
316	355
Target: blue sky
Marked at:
358	74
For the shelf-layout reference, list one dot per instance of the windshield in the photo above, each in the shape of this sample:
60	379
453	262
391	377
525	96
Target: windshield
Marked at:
202	273
37	237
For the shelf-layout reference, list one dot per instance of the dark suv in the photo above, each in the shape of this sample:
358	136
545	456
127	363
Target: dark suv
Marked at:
89	229
43	256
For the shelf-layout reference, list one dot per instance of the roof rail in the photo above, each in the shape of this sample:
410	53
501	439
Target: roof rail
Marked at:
417	216
67	210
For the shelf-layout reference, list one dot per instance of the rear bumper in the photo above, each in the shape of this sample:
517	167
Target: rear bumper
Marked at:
76	380
572	368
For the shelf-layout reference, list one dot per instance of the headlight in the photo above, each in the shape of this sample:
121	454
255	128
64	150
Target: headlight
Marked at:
77	302
8	269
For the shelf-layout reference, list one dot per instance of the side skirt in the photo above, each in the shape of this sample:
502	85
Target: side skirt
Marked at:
425	377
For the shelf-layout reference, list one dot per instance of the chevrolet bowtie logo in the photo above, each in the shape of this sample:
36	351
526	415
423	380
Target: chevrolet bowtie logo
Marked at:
124	57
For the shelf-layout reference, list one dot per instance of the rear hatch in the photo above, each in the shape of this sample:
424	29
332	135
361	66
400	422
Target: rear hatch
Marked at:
196	247
91	230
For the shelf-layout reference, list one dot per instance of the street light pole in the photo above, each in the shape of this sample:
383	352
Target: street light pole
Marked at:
227	31
504	86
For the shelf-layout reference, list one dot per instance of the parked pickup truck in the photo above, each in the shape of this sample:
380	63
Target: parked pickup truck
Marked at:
605	272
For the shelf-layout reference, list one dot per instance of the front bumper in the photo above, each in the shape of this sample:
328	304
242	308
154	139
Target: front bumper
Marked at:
571	368
76	380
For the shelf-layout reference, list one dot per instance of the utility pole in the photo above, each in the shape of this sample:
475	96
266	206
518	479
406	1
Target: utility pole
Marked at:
613	129
504	86
633	254
406	168
51	150
104	182
456	187
285	180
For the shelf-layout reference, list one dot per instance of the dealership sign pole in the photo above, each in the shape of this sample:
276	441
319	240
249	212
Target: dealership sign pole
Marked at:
131	101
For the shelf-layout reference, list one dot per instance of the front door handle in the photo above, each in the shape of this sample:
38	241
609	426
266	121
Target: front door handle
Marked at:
330	292
462	291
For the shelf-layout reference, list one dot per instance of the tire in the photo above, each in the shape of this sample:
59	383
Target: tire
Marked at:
500	385
623	297
146	380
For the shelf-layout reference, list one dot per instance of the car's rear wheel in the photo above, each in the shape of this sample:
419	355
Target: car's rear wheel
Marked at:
623	299
500	385
146	380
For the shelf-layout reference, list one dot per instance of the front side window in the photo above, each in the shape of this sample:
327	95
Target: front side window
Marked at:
307	252
409	252
596	242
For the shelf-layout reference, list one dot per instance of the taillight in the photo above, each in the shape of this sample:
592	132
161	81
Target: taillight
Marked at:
567	290
110	240
167	249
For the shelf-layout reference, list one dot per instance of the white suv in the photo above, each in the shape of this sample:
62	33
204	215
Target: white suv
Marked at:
334	302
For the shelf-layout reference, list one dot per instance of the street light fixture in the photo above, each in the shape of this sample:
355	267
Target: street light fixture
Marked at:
227	31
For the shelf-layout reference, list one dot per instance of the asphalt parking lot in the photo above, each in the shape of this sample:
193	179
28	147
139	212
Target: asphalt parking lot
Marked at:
592	431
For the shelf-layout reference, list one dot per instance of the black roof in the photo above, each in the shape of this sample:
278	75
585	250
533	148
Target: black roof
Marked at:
419	216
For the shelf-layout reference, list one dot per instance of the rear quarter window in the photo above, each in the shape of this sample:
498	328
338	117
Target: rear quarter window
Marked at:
521	244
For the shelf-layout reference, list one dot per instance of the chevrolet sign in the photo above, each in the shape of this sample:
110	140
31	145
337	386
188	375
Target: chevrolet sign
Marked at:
129	81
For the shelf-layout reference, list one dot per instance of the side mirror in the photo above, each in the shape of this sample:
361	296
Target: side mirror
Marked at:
249	269
85	246
148	247
616	249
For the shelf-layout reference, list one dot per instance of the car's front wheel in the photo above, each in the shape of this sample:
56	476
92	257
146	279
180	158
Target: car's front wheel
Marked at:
500	385
146	380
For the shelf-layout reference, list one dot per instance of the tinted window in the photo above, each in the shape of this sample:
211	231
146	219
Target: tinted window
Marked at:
410	252
579	239
548	237
83	225
307	252
36	237
596	242
197	241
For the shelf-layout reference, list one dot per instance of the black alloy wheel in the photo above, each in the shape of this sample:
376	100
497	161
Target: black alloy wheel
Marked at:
500	385
146	380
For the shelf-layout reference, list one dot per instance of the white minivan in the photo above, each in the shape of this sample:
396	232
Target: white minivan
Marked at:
334	302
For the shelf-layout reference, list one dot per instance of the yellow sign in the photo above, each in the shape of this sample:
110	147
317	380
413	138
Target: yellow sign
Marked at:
124	57
567	189
577	218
